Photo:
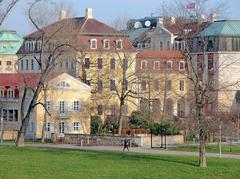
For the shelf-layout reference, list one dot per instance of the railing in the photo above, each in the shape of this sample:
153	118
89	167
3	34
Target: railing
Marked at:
9	99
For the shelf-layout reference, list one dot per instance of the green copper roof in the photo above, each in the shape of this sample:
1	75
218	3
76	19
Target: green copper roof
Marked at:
135	33
10	42
223	28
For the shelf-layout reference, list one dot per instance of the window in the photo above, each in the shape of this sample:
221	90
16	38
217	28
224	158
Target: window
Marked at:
31	126
181	108
100	63
76	126
63	84
61	127
181	85
161	45
48	127
93	44
62	107
144	85
22	68
32	64
39	45
112	85
169	65
26	64
9	63
143	64
156	107
237	97
181	66
169	85
100	109
106	44
157	65
31	46
112	63
168	45
169	107
119	44
10	93
66	65
210	64
0	63
26	46
49	106
72	65
87	63
156	85
125	85
1	94
100	85
76	106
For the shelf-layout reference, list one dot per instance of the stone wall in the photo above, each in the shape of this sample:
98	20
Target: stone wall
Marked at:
137	141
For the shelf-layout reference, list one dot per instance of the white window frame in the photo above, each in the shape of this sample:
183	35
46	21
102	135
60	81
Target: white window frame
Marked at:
142	62
159	65
39	45
64	84
105	41
181	80
91	43
180	66
62	107
76	126
117	41
76	106
49	106
10	93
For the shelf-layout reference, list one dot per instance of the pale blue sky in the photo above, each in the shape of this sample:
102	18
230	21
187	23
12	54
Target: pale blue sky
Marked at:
105	10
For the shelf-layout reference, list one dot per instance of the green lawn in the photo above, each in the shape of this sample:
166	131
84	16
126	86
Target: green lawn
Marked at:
210	148
64	163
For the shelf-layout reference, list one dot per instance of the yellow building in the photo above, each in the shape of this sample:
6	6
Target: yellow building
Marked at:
163	83
96	54
67	101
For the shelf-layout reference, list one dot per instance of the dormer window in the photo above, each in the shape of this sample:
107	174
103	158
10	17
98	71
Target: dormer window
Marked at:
63	84
181	66
93	43
29	46
119	44
39	45
106	44
10	93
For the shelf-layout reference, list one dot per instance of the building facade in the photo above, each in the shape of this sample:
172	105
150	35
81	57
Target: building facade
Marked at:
66	98
10	42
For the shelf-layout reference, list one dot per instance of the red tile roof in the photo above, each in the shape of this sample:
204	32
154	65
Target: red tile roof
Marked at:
160	54
16	80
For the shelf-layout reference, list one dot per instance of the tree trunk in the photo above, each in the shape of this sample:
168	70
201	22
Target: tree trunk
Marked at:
120	119
21	134
202	137
202	150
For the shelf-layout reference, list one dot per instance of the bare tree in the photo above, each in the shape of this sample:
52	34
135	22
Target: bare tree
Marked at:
47	58
5	8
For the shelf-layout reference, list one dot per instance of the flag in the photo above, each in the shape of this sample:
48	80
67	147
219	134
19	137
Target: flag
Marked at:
191	6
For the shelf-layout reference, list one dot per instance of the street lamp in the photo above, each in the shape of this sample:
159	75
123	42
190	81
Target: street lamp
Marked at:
1	130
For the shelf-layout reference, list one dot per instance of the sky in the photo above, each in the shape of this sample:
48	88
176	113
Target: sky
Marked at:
105	11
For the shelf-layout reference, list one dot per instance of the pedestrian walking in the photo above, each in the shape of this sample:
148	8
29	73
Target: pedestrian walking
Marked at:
126	144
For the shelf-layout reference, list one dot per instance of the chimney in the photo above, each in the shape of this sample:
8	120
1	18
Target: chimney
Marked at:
172	20
160	22
213	17
62	14
89	13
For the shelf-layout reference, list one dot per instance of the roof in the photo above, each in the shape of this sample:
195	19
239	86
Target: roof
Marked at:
160	54
71	30
223	28
136	33
16	80
10	42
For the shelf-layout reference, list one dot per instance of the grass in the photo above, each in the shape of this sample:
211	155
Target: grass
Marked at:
226	149
64	163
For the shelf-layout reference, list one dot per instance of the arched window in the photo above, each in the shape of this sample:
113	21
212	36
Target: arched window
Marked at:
169	107
10	93
181	108
1	93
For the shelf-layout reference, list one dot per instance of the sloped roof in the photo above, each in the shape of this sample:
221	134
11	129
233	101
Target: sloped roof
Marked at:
8	35
160	54
223	28
136	33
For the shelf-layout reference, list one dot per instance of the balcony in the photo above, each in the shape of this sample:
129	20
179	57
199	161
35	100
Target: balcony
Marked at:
9	99
64	115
